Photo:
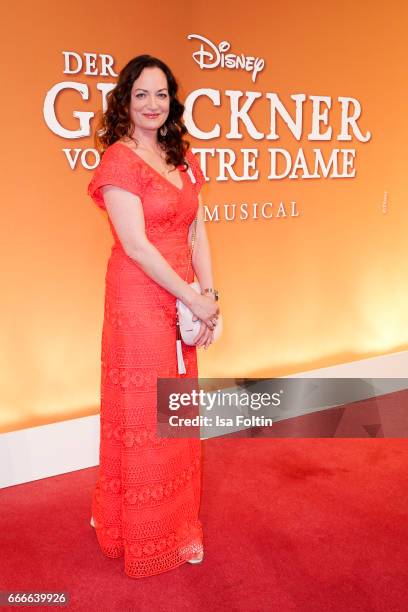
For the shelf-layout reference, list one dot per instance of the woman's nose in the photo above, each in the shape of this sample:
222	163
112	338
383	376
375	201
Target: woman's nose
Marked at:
152	104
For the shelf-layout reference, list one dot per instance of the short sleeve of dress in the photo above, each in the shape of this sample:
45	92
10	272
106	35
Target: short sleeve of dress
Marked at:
115	168
196	170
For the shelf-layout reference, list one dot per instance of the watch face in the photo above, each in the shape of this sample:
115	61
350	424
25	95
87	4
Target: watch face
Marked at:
213	291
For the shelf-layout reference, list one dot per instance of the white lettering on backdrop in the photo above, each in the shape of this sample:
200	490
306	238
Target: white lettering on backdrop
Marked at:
312	117
217	56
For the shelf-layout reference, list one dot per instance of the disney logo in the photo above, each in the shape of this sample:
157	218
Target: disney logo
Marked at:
216	56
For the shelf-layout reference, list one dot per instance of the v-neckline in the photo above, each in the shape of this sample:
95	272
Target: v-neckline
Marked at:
179	189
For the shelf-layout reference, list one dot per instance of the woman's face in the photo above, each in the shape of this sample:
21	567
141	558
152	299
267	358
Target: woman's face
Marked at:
149	101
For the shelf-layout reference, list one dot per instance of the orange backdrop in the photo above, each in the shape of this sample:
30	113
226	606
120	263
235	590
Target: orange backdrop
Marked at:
325	287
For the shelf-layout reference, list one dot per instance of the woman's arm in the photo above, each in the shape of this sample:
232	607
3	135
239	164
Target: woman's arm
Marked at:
203	269
126	213
201	251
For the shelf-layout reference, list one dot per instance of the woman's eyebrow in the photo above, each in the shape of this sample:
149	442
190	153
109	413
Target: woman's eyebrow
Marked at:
162	89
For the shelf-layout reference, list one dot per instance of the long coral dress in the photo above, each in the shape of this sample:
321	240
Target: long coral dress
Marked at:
146	500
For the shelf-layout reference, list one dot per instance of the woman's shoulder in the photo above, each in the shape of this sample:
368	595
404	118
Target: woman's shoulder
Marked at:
117	148
116	168
195	167
118	154
191	159
189	156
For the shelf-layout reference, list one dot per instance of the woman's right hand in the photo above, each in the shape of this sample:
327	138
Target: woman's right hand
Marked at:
206	309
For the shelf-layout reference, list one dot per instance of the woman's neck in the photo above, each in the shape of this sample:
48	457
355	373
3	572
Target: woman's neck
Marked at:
146	140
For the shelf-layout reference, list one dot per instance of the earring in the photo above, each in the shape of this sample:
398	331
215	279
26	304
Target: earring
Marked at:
163	130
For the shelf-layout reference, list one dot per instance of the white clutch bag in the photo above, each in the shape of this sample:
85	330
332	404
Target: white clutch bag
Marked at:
188	328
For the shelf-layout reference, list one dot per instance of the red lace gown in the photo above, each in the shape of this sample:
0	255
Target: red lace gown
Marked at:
146	501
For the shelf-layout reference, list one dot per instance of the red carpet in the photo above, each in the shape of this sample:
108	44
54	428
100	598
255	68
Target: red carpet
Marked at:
289	524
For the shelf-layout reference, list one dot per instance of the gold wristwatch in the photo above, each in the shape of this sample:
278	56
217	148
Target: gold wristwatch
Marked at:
211	290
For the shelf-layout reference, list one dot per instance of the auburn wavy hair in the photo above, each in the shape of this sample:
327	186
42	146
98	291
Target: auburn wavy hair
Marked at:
116	122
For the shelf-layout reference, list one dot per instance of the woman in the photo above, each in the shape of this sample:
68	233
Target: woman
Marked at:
146	501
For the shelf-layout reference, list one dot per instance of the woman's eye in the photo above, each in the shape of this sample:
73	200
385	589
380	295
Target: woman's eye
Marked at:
161	95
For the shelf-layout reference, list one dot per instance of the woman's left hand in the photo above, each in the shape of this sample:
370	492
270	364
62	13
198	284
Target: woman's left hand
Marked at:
205	336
